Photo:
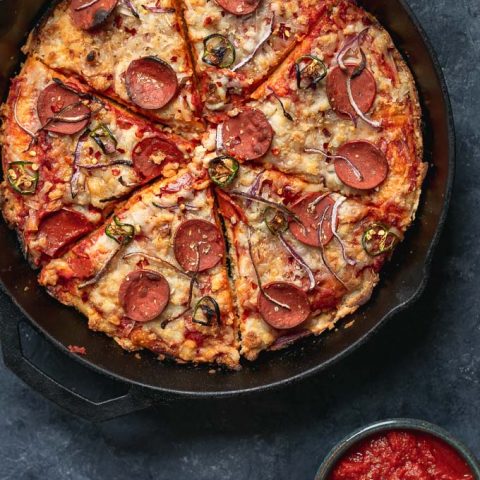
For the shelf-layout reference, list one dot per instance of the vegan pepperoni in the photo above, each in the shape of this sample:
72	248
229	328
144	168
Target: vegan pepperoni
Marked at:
247	136
82	267
364	91
62	228
53	102
287	294
144	294
370	165
151	83
310	210
239	7
89	14
152	154
198	242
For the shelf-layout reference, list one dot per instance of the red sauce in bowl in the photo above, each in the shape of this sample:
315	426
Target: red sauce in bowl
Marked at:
402	455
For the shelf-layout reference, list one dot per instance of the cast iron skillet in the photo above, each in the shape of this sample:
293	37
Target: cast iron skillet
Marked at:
151	381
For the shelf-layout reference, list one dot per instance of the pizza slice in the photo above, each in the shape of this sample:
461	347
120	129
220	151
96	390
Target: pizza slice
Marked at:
237	43
303	120
302	257
154	275
69	156
132	51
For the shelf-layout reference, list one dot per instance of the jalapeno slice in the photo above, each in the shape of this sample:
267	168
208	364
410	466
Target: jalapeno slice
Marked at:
223	170
122	233
275	220
104	139
23	177
206	312
378	239
218	51
309	71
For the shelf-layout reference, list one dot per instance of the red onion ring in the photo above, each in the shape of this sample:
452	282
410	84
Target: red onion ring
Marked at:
322	249
299	260
336	206
265	37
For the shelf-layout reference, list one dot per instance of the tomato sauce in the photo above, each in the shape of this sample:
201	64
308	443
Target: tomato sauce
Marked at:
405	455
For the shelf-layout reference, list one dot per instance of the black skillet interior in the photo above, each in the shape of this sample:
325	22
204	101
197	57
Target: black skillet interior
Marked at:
402	280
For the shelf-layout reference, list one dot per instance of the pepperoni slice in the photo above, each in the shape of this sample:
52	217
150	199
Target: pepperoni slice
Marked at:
88	14
371	166
364	91
288	294
150	156
310	209
247	136
151	83
239	7
200	236
62	228
144	294
54	100
82	267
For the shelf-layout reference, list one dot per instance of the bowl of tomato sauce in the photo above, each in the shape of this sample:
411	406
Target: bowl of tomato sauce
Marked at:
400	449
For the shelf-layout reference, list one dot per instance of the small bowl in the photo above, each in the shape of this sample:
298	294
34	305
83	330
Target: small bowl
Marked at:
348	442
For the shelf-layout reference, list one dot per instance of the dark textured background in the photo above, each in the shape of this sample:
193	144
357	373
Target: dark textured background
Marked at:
425	363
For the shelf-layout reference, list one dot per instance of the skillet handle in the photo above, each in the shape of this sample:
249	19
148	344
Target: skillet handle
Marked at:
136	398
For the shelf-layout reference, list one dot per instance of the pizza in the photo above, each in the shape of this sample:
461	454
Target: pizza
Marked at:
209	180
69	157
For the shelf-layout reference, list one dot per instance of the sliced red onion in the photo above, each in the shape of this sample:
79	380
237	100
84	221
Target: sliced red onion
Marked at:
86	95
86	5
257	275
299	260
78	118
286	114
336	206
219	139
127	327
278	206
361	66
193	280
74	182
74	186
344	50
158	9
264	38
354	169
131	8
154	258
255	188
286	340
101	272
126	184
92	166
57	117
311	206
322	249
373	123
192	208
81	140
17	121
